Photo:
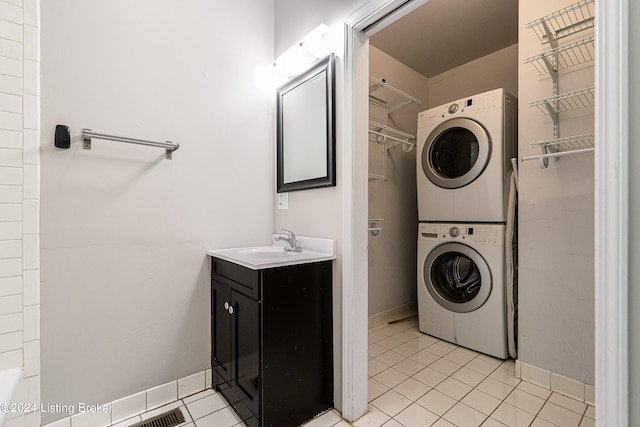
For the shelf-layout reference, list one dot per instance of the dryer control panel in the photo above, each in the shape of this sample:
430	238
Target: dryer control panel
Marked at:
486	101
486	234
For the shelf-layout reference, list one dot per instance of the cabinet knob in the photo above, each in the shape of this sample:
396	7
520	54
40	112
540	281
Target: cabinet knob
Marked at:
230	309
226	305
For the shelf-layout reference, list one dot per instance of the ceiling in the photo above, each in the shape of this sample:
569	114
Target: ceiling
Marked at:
443	34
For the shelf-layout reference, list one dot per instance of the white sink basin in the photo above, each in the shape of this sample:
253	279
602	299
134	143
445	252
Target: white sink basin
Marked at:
259	257
265	252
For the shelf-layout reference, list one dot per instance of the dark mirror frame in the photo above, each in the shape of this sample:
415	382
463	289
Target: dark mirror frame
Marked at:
326	66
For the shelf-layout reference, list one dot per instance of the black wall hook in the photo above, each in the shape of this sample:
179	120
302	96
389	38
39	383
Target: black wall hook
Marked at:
63	137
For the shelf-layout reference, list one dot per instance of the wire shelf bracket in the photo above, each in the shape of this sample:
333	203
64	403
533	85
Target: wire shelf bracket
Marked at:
88	135
373	229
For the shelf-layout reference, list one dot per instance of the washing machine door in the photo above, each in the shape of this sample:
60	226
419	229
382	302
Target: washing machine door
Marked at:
456	152
457	277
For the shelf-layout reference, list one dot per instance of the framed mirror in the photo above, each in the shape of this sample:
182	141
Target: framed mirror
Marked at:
306	129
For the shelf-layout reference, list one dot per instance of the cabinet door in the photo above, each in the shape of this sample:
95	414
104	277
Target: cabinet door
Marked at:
246	350
221	330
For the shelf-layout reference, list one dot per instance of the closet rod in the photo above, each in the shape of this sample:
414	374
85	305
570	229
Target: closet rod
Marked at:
558	154
88	134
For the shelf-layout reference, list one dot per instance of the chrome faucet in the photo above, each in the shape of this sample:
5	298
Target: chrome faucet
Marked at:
291	241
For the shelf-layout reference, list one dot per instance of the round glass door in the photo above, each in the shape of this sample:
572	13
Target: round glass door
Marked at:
457	277
456	153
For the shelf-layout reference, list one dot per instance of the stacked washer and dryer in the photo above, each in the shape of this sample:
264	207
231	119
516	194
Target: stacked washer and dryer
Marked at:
466	204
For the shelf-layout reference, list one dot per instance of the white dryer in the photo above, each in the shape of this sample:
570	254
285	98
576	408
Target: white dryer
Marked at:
461	286
464	158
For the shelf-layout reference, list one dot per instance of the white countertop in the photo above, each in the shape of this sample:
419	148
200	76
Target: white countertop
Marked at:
260	257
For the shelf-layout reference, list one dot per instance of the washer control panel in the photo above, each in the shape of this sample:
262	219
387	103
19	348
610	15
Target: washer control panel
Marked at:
486	234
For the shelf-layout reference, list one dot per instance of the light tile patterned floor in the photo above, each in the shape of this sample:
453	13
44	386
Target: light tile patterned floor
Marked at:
416	380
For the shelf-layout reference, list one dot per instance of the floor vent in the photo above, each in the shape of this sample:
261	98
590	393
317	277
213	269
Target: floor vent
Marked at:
167	419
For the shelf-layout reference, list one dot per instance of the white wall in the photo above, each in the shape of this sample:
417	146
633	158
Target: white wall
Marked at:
318	212
556	253
125	279
19	200
296	18
496	70
392	254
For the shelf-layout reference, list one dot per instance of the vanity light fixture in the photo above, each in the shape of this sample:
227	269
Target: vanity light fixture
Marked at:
294	60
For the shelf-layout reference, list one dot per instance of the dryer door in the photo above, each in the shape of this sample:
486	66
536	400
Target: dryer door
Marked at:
456	152
457	277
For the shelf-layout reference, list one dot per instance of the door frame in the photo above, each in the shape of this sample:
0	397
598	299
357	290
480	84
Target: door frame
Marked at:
611	205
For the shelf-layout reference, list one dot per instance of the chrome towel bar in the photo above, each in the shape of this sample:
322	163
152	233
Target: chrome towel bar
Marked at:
88	134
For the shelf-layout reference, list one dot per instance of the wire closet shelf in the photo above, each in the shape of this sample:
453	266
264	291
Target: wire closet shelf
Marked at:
564	22
549	29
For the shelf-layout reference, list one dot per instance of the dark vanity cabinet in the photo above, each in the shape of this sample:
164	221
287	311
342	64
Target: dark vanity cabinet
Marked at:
272	341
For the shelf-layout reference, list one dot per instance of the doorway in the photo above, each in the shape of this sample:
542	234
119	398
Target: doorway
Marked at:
357	44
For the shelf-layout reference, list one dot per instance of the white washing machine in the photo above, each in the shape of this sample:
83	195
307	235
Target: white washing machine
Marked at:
464	158
461	286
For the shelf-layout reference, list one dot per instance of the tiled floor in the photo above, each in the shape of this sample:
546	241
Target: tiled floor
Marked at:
205	409
416	380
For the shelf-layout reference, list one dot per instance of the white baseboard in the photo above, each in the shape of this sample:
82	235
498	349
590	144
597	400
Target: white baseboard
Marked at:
556	382
395	313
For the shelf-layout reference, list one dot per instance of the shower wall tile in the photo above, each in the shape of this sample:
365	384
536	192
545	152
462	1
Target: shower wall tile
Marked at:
10	286
31	252
31	358
11	359
31	77
10	176
31	43
10	84
8	102
31	318
10	323
31	112
11	341
11	31
11	304
11	230
11	66
31	181
11	193
31	216
11	48
31	147
31	16
11	12
10	139
10	267
14	2
10	157
10	249
31	287
19	197
11	121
